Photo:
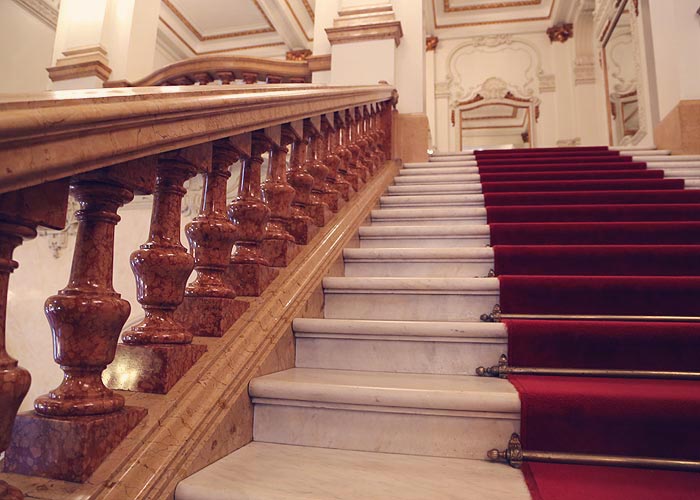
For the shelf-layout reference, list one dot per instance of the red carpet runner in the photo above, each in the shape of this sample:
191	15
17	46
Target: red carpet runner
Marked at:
586	231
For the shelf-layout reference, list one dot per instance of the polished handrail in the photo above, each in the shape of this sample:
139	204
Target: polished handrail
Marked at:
52	135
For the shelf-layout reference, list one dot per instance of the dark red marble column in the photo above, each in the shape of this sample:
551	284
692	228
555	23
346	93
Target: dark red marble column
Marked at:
301	224
332	160
377	134
362	141
278	244
20	212
209	308
249	272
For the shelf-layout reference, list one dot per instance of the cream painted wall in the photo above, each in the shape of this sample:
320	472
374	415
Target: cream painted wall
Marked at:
27	47
363	63
532	66
410	57
675	31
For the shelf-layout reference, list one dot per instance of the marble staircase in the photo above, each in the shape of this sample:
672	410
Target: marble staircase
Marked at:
383	401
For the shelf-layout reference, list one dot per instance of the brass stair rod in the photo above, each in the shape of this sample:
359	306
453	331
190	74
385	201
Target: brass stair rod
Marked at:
502	370
496	316
514	455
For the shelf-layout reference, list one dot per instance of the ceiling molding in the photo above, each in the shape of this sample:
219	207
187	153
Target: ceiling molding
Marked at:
491	22
309	10
493	5
44	11
205	38
196	52
296	19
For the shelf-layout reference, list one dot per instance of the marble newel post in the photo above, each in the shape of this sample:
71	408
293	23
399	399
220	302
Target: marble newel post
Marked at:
20	213
278	245
209	308
86	318
158	351
301	224
331	158
249	273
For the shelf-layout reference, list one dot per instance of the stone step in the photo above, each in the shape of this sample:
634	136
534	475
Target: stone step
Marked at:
264	471
437	189
690	168
418	262
636	149
414	299
428	216
437	415
456	348
440	164
459	235
439	171
441	159
692	184
436	179
664	158
445	200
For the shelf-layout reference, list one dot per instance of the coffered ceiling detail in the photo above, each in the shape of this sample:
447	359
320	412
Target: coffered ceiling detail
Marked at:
466	5
447	14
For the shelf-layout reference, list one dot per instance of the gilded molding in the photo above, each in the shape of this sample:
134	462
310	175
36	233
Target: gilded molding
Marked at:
298	55
560	32
431	43
488	23
204	38
446	7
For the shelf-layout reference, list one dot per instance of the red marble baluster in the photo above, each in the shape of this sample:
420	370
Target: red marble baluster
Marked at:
278	194
356	162
300	224
363	142
377	135
369	134
14	380
346	168
316	167
211	234
332	160
248	212
87	316
249	77
273	79
162	265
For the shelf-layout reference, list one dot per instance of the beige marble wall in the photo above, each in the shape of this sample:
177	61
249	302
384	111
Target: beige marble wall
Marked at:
411	136
679	131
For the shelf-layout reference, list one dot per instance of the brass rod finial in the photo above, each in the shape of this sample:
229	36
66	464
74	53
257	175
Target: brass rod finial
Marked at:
513	455
499	370
494	317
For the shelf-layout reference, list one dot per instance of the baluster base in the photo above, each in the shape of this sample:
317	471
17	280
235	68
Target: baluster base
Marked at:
320	213
210	316
69	449
151	368
279	253
250	280
302	228
9	492
334	200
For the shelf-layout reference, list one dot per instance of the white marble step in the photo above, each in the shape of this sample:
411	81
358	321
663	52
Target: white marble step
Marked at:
445	200
440	164
428	216
418	414
643	152
665	158
414	299
440	159
692	184
264	471
420	189
682	173
437	179
418	262
624	149
456	348
439	171
458	235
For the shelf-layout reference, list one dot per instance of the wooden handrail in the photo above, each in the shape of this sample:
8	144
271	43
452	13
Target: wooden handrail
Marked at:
227	68
52	135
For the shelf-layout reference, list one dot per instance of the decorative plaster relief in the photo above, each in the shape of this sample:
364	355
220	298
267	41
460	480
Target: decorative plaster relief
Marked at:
45	11
548	83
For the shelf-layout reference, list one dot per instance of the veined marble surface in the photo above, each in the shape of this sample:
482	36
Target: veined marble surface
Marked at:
439	171
455	235
456	200
262	471
427	188
437	179
465	161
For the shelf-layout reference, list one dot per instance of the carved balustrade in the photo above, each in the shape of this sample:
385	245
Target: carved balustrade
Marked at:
106	148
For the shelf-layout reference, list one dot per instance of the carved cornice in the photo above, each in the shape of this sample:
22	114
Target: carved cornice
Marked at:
486	6
298	55
361	33
81	63
487	23
560	33
46	13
